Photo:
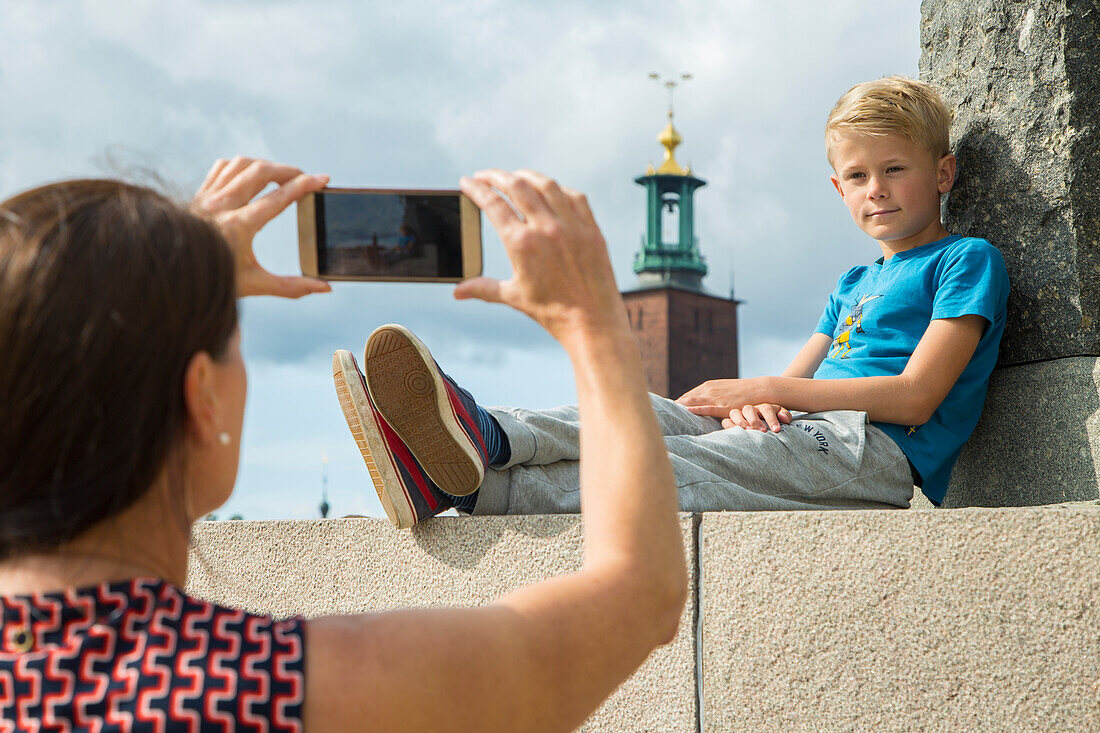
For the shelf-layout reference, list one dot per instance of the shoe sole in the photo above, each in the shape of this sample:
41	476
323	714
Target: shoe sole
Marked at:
409	392
355	404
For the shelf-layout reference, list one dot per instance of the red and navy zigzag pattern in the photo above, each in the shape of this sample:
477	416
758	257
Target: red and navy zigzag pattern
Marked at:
143	656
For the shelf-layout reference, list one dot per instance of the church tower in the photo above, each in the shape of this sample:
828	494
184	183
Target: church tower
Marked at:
686	335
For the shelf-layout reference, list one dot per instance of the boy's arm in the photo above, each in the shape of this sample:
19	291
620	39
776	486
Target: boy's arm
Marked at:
909	398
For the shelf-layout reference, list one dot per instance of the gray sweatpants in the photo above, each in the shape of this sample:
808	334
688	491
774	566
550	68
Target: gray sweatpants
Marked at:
822	460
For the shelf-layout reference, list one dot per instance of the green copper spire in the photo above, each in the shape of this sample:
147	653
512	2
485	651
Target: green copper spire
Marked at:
670	250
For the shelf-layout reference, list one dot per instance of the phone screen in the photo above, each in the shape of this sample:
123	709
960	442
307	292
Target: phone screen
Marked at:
389	235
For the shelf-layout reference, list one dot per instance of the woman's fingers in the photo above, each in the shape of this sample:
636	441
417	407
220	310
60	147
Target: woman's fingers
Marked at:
212	175
501	215
264	209
551	193
229	170
479	288
228	198
519	189
230	185
258	281
246	185
561	272
296	286
580	205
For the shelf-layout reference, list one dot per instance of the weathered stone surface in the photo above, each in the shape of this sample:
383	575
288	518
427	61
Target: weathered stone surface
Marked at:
965	619
960	620
358	565
1038	441
1024	80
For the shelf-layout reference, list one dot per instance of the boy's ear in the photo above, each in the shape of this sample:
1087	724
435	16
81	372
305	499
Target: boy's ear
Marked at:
946	172
836	185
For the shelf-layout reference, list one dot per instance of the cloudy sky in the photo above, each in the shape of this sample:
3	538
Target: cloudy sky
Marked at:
416	94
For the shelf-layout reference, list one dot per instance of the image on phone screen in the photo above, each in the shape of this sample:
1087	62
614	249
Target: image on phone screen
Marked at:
389	235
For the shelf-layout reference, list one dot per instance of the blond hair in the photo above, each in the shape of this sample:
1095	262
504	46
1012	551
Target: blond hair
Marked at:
893	105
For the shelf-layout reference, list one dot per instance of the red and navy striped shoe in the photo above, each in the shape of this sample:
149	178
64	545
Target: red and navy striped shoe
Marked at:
407	493
434	417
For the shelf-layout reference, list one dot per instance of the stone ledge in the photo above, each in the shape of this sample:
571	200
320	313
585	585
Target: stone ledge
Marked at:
965	619
953	619
358	565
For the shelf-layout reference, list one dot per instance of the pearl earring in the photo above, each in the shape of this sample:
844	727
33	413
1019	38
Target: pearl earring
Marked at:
223	438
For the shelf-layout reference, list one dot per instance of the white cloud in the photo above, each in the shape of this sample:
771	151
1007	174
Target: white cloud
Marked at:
261	48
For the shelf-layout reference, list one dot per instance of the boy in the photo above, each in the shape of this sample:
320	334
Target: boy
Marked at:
881	398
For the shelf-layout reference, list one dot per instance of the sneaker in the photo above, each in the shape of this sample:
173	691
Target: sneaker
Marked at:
434	417
407	493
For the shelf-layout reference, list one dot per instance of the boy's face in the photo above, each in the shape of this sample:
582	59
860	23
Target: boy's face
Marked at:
892	188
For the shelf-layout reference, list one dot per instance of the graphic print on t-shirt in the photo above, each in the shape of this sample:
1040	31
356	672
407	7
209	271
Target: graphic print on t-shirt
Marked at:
842	344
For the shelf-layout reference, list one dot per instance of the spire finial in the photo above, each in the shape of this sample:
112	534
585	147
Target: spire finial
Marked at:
670	136
670	84
324	507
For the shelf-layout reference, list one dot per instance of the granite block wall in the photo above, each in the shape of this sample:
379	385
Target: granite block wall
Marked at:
360	565
1023	79
969	619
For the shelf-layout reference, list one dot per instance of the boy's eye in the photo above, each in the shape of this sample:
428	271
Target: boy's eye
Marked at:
854	175
894	169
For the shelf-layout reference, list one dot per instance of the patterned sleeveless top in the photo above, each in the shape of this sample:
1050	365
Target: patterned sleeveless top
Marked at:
141	655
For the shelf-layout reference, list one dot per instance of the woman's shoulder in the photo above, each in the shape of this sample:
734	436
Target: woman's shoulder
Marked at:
138	610
203	656
141	596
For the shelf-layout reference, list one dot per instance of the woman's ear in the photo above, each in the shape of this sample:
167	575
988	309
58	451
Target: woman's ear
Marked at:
200	398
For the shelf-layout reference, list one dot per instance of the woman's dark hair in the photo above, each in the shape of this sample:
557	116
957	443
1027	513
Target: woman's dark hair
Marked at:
106	292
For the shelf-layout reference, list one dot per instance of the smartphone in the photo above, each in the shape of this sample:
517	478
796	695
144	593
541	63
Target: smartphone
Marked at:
389	234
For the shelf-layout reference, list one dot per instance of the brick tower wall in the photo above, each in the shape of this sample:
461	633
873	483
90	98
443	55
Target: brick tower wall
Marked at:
702	340
685	338
648	314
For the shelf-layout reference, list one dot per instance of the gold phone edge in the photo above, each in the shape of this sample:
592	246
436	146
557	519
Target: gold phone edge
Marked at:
307	235
470	223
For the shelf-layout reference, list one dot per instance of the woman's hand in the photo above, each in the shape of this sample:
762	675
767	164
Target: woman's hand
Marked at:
226	198
561	272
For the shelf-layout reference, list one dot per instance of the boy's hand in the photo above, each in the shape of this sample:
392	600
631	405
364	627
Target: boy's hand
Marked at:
717	397
742	403
561	273
226	198
763	417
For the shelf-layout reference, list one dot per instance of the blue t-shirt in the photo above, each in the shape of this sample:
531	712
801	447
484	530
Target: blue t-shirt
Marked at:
876	316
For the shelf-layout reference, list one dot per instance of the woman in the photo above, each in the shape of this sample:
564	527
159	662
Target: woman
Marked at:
121	399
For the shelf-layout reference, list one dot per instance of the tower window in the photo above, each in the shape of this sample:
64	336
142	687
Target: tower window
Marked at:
670	220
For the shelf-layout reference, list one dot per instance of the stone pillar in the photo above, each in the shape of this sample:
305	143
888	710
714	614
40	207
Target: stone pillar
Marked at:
1024	80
